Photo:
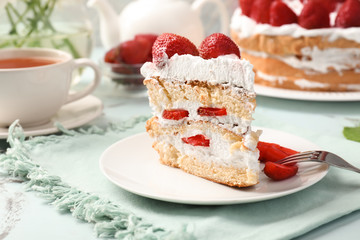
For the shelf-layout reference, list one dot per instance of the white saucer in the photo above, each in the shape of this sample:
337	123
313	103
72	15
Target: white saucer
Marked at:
306	95
70	116
134	165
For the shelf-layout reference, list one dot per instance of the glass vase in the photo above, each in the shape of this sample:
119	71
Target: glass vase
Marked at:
60	24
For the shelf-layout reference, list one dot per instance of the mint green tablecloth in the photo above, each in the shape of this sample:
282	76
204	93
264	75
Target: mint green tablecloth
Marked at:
74	157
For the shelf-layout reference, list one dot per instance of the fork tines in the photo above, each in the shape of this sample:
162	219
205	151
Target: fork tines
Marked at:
303	156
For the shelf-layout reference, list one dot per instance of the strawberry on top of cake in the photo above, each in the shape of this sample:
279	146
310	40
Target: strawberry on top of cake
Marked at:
301	44
203	100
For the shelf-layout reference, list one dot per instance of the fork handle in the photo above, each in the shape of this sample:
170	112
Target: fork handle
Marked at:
333	160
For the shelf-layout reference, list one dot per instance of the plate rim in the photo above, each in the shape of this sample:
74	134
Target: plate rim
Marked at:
228	201
267	91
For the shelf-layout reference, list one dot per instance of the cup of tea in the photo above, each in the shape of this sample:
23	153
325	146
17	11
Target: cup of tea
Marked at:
35	84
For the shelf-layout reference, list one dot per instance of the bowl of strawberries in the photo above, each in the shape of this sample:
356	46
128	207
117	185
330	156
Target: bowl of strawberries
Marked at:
122	63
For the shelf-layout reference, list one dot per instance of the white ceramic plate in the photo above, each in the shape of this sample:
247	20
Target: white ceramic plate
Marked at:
306	95
71	115
133	165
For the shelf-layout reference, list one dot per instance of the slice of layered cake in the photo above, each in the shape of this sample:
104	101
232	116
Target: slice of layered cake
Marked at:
203	100
309	45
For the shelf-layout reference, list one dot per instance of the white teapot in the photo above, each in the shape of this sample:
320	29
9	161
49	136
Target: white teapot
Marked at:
156	17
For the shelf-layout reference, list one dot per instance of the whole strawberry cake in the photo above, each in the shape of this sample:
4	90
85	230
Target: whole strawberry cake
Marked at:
310	45
203	100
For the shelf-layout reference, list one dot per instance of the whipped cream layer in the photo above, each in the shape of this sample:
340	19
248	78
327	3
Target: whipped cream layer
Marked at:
226	70
247	27
235	124
319	61
220	151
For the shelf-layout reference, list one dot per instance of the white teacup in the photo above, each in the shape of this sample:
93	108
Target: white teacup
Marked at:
34	94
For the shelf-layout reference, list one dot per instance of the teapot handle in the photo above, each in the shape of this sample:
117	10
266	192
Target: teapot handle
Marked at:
198	4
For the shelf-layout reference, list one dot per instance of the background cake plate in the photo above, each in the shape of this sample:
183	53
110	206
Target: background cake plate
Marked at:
133	165
306	95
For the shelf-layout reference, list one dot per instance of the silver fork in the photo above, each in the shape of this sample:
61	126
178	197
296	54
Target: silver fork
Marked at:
319	156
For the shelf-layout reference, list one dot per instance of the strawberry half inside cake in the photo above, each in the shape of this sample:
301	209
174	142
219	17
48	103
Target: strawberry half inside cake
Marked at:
203	108
310	45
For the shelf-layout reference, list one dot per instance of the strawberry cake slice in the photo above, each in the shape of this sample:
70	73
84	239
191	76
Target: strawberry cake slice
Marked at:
203	100
310	45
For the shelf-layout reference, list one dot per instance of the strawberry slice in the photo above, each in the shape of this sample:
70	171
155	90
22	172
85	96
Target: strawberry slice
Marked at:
272	152
246	6
197	140
349	14
169	44
314	15
218	44
288	151
260	11
279	172
175	114
211	112
281	14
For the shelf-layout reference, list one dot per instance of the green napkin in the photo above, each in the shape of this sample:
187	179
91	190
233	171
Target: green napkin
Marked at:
44	164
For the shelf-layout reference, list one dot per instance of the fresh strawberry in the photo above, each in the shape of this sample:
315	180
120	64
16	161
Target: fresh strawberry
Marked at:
330	5
349	14
260	11
197	140
279	172
314	15
218	44
281	14
112	56
170	44
246	6
149	40
175	114
133	52
272	152
211	112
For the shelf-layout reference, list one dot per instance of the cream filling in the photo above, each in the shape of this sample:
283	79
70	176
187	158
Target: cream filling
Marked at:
355	87
220	151
319	61
302	83
271	78
232	123
227	70
295	5
247	27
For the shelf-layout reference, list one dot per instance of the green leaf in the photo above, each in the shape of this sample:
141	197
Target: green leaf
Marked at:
352	133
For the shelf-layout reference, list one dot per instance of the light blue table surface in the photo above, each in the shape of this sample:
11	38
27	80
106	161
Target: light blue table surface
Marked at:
38	220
